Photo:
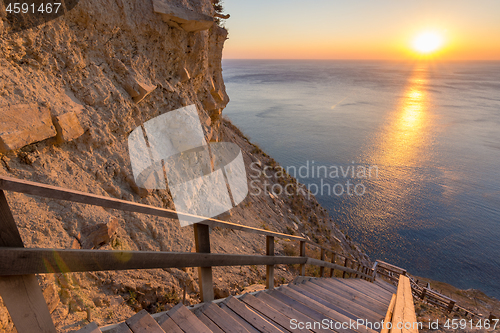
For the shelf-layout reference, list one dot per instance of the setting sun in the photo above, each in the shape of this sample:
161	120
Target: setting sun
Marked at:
427	42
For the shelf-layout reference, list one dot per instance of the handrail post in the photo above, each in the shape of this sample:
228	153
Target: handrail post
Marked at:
346	261
322	268
450	306
424	293
333	262
374	274
21	294
302	254
270	268
202	244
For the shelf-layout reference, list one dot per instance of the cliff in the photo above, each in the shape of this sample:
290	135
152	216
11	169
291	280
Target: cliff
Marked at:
71	91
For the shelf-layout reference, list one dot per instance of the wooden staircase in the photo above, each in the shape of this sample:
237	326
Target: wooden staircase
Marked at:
340	303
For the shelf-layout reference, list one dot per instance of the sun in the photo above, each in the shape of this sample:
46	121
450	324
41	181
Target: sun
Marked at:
427	42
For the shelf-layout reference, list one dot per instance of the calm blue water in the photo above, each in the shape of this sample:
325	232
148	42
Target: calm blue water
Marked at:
431	131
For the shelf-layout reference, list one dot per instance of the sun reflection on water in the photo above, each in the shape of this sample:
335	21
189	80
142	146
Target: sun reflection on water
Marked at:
399	150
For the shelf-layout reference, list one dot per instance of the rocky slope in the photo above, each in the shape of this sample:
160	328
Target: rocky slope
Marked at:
71	91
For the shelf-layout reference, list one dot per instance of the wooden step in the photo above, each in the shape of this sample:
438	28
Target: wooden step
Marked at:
239	319
250	316
370	291
208	323
227	323
296	305
270	314
119	328
184	319
142	322
352	306
318	307
287	310
357	297
341	314
168	325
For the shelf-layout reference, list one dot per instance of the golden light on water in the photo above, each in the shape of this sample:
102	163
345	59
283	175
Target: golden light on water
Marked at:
402	139
400	148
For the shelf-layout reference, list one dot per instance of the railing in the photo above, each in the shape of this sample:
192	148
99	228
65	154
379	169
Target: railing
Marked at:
23	296
424	293
401	312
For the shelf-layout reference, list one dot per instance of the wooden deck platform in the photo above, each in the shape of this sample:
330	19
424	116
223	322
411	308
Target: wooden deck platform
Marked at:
340	303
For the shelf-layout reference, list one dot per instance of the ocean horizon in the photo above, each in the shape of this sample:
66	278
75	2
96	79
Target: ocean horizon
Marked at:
430	132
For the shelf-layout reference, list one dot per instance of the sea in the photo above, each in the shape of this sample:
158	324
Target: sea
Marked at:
405	156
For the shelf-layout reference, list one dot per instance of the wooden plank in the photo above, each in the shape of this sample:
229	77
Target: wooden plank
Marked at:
142	322
356	297
205	279
168	325
388	315
336	300
261	324
185	319
404	310
271	314
319	305
119	328
303	254
390	267
366	288
227	323
21	293
389	287
90	328
236	317
269	268
286	310
59	193
302	308
338	284
19	261
209	324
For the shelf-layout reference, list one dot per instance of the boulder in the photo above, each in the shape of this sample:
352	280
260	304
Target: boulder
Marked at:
100	234
137	87
183	18
68	127
24	124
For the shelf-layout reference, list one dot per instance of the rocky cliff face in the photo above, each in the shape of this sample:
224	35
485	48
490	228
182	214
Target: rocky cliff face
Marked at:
71	91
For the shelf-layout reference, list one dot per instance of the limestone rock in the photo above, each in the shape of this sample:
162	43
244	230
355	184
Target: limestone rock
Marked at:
137	87
24	124
94	236
68	127
209	103
183	74
182	18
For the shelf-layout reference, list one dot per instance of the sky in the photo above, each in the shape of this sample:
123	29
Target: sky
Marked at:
361	29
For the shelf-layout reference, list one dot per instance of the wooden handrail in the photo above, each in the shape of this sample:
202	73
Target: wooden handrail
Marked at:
21	261
404	318
18	265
